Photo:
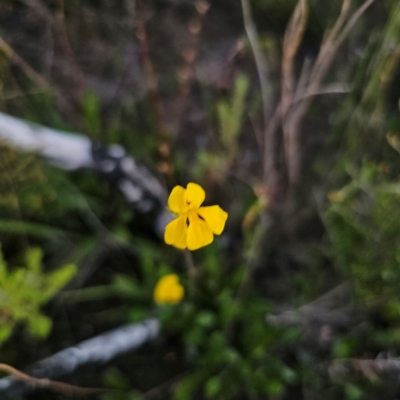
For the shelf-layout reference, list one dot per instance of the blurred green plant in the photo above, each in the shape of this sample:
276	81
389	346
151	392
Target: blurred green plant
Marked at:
92	114
230	115
364	222
23	183
229	349
24	290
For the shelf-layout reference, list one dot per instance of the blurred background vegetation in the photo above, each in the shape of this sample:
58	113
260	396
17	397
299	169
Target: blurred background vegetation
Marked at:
288	116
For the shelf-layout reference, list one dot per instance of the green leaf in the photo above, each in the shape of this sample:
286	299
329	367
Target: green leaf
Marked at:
126	285
33	259
230	115
39	325
24	290
5	332
213	386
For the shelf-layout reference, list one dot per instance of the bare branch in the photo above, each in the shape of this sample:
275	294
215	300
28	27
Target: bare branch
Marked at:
77	74
14	57
291	42
73	151
293	37
353	20
59	387
324	60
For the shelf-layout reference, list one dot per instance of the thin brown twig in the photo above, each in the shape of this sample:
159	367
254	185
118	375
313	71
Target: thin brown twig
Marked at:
76	72
344	12
258	132
41	9
59	387
155	392
353	20
292	40
228	66
12	55
57	22
371	368
303	80
165	164
186	72
270	155
192	270
328	49
324	60
190	54
21	63
291	43
148	69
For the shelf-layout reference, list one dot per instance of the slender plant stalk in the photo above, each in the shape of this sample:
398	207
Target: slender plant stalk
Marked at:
192	271
58	387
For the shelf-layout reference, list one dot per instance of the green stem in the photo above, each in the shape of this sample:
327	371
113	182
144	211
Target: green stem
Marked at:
191	270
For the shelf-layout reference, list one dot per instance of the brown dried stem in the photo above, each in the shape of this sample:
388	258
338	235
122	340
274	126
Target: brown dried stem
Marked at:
148	69
62	388
324	61
271	122
261	62
190	54
76	72
291	43
165	164
14	57
57	22
186	73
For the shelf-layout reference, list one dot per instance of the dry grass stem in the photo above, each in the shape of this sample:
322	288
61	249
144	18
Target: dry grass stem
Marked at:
14	57
62	388
76	72
261	62
291	121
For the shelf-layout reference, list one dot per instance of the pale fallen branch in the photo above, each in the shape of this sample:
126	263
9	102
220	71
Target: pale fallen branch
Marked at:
74	151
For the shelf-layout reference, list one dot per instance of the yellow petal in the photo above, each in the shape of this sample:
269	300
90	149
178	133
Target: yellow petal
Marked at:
177	201
195	195
168	290
198	233
176	232
215	218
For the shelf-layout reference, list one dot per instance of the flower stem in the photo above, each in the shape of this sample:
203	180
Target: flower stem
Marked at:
191	269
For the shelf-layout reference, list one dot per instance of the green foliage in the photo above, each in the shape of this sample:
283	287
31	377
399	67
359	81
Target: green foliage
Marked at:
364	221
230	116
23	183
24	290
139	292
232	351
91	114
229	350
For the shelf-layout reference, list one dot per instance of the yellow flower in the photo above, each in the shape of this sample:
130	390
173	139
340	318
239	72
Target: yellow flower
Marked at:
168	290
195	226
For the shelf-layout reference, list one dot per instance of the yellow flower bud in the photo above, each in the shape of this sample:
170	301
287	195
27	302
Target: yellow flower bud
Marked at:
168	290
